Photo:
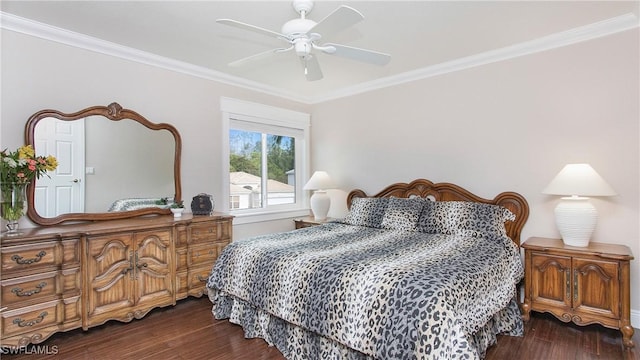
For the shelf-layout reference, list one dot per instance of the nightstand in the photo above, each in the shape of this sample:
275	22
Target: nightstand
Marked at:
584	285
309	221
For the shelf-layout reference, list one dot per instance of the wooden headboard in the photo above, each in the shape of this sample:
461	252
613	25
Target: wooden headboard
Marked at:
451	192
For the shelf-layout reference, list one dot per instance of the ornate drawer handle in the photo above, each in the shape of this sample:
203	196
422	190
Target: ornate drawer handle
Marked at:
18	291
24	323
21	261
143	265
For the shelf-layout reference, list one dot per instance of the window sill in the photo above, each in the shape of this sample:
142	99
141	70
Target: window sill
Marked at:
240	219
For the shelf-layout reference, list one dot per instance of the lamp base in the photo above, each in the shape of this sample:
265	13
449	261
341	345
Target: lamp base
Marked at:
320	203
576	219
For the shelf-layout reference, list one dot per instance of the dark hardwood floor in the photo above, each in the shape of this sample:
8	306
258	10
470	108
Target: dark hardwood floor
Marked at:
188	331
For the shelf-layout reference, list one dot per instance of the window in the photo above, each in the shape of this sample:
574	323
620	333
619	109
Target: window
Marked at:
266	159
234	203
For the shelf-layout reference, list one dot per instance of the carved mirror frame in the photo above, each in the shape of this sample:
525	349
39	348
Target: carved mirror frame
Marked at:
113	112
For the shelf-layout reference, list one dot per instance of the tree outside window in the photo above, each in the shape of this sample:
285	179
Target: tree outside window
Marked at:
260	161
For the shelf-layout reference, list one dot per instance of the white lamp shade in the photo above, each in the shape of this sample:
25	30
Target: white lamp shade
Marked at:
576	217
320	201
578	179
319	181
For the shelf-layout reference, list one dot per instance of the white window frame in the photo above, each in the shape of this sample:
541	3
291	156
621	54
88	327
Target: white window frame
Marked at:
266	118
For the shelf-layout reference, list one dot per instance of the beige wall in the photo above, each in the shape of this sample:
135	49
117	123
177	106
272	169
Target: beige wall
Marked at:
510	125
505	126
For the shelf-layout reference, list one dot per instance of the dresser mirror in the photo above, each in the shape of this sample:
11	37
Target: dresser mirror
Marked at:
112	164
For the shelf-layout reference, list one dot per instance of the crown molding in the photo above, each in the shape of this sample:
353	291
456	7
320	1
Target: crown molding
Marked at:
37	29
576	35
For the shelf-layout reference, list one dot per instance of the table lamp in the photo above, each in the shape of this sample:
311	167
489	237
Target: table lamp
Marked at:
575	216
320	201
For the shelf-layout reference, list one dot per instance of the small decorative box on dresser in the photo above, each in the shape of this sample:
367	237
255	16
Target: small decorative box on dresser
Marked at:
58	278
309	221
584	285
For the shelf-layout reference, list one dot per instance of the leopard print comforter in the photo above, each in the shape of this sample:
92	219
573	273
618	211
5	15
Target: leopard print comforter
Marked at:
388	294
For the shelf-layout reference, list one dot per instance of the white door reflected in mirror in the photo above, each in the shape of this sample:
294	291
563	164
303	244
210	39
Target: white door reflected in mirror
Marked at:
62	191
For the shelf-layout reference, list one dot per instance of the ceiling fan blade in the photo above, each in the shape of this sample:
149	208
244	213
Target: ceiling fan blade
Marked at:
249	27
258	56
340	19
364	55
311	68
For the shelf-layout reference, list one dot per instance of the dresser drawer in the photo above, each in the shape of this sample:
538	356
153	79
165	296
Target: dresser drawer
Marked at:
22	257
198	277
204	233
28	288
198	280
202	254
31	318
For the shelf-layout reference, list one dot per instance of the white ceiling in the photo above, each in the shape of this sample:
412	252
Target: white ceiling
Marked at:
423	37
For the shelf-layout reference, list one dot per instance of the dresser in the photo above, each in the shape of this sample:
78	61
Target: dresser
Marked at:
58	278
584	285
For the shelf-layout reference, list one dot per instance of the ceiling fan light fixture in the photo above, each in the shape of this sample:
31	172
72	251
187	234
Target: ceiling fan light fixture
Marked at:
302	46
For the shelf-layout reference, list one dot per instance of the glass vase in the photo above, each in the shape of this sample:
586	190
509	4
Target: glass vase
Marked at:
12	205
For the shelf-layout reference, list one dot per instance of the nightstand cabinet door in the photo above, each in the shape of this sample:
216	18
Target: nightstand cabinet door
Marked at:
596	287
584	285
551	281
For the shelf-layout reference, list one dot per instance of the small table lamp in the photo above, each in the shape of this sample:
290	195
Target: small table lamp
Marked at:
576	217
320	201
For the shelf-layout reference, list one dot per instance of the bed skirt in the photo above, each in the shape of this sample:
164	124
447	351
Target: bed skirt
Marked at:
296	343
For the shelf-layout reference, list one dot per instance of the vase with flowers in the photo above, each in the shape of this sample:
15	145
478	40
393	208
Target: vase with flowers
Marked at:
17	169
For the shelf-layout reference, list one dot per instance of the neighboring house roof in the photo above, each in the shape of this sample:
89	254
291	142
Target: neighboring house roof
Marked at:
240	179
277	186
237	190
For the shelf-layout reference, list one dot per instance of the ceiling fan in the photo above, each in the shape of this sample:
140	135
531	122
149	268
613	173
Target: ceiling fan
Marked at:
303	35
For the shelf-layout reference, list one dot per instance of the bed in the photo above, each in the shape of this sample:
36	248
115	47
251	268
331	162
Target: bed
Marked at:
420	270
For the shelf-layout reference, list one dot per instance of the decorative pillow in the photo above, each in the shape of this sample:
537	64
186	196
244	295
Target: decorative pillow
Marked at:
402	214
367	212
465	217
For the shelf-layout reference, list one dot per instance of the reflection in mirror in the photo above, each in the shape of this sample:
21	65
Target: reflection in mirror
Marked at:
102	164
126	160
113	163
